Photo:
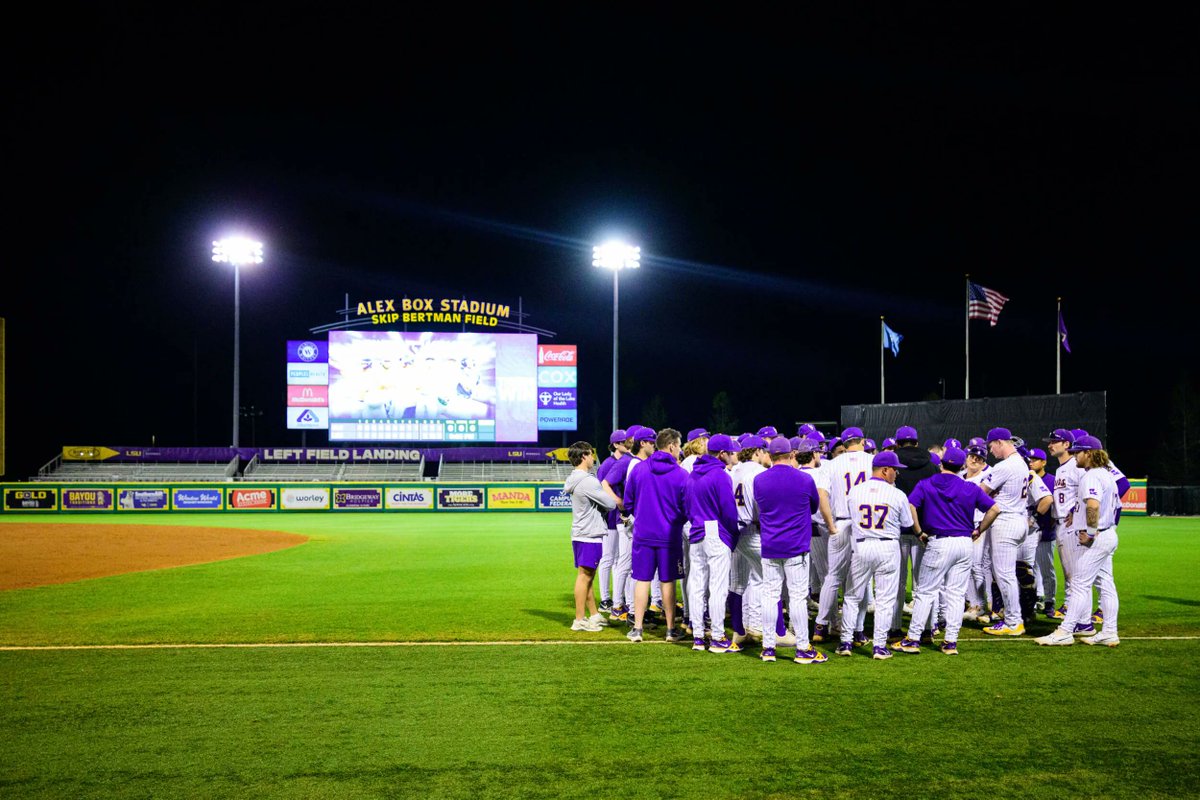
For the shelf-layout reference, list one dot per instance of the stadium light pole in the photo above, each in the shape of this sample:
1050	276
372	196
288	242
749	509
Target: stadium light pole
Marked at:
237	251
616	256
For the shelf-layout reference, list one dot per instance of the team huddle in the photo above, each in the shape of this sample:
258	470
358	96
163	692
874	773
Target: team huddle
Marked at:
767	529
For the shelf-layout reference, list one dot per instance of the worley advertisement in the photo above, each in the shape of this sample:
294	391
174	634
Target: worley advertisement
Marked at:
304	499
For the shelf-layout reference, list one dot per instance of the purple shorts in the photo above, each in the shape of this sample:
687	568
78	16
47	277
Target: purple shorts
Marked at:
667	559
587	554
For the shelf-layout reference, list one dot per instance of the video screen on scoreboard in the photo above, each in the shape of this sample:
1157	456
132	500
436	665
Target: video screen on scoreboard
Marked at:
434	387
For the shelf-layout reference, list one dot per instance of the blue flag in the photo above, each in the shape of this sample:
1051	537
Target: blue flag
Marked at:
891	340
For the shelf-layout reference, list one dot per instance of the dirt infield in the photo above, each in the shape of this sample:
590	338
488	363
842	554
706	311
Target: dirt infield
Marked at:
39	554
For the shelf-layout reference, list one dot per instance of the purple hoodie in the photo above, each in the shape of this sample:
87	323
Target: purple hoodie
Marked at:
710	497
1046	522
654	496
947	504
786	499
618	466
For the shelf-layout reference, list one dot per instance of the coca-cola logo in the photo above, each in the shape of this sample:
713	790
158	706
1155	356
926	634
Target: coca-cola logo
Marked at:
561	355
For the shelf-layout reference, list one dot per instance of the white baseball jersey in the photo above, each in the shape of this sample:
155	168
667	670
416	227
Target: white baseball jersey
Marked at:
1066	482
821	478
1115	471
1009	480
688	463
1098	484
850	469
743	490
976	479
1037	491
878	510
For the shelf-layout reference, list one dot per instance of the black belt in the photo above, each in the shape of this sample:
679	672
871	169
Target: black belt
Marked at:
966	535
840	519
875	539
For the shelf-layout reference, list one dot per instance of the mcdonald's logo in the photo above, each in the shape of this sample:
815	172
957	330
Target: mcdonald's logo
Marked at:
308	396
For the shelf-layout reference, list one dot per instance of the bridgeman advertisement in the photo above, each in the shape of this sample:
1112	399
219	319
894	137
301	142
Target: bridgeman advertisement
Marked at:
357	499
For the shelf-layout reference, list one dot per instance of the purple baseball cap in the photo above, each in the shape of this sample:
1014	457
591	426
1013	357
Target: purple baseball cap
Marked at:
1038	453
779	445
804	444
869	445
795	441
1077	432
933	459
640	433
978	451
767	430
999	435
852	433
806	429
906	433
722	444
618	436
954	456
831	444
886	459
952	443
1087	443
977	441
750	441
696	433
888	442
1060	435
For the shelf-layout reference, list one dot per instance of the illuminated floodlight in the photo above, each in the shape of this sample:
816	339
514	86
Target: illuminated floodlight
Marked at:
616	255
238	251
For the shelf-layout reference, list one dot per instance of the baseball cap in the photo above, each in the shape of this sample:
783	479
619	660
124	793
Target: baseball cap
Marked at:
722	444
888	442
976	442
779	445
830	444
618	436
952	443
906	432
886	459
805	429
977	450
804	444
696	433
933	459
954	456
1087	443
640	433
869	445
1038	453
751	441
1077	432
767	430
795	440
852	433
999	435
1060	435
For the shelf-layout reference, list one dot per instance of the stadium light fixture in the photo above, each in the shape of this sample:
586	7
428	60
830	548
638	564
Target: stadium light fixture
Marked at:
238	251
616	256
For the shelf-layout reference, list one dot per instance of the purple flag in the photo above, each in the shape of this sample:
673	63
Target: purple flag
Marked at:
1062	332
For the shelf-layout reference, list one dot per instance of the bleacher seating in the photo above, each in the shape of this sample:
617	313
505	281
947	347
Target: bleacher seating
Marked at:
383	472
488	471
256	471
87	471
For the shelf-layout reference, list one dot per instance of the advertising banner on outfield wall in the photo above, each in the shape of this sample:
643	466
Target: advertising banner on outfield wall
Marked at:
306	499
553	498
1134	501
357	499
197	499
502	497
30	499
87	499
409	497
142	499
252	499
469	499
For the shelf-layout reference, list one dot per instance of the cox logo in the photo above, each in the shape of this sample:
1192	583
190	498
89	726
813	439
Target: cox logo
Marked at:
554	377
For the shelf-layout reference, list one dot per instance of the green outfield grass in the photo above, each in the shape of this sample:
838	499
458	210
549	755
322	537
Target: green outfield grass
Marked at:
1004	719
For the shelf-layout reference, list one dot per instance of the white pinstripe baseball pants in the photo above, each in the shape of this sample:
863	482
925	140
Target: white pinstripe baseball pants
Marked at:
709	578
878	559
945	567
818	559
1008	537
840	553
608	554
794	572
747	577
1094	566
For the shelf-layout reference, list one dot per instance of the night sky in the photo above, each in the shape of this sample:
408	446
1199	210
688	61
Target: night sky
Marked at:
789	180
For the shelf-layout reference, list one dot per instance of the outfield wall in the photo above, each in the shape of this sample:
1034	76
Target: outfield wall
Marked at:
279	496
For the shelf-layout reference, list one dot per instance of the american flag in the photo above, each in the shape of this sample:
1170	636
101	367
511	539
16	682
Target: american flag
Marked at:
984	303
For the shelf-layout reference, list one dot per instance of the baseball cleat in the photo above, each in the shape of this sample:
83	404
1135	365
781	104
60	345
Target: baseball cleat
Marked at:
674	635
1052	612
620	613
844	649
768	654
1098	616
984	618
927	638
739	638
881	654
972	613
1000	629
908	608
812	656
907	645
656	607
723	646
754	633
599	619
820	632
787	640
699	644
585	625
1102	638
949	648
606	606
894	636
634	635
1059	638
860	639
1085	629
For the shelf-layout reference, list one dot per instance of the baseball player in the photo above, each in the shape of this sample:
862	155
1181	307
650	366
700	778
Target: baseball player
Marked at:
654	494
851	468
1122	488
618	448
1047	581
589	502
745	589
808	458
767	432
945	506
714	529
697	445
785	500
1066	483
919	466
641	445
1099	498
1037	502
979	587
1008	484
878	512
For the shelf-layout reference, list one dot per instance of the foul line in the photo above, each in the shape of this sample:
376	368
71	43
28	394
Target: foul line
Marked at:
510	643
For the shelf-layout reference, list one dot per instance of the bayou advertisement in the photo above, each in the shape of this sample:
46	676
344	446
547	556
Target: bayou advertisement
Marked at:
87	499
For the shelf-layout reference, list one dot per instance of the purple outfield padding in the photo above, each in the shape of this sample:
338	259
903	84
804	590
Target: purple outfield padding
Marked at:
649	558
587	554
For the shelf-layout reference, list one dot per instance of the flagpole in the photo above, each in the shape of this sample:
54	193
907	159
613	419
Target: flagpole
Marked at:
1058	352
882	347
967	393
